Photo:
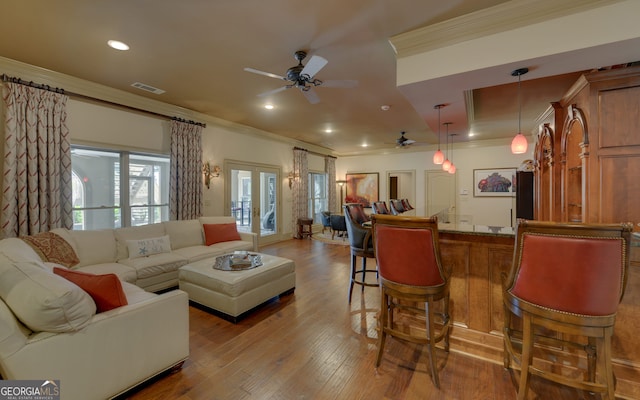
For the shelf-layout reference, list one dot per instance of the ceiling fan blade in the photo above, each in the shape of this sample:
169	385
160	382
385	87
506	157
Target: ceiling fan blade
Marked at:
315	64
269	74
347	83
311	96
274	91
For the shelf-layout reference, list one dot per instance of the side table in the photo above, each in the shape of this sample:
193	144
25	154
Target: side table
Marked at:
305	227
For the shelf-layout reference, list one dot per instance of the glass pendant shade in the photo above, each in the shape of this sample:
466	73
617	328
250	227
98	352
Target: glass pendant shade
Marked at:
446	165
452	169
519	144
438	157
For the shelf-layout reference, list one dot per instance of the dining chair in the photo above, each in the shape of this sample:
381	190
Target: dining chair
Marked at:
413	283
396	207
562	292
379	207
406	205
361	245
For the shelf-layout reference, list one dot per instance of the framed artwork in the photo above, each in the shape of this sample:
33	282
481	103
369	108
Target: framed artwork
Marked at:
362	188
497	182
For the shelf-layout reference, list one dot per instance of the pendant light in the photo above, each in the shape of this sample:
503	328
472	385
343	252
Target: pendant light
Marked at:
447	164
438	157
519	142
452	168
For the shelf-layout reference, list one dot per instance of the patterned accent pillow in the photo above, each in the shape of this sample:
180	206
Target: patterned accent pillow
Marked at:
53	248
147	247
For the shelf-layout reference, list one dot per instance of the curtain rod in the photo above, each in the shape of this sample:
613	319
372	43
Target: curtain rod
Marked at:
11	79
313	152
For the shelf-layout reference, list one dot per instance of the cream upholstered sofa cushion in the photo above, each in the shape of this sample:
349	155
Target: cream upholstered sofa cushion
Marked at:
184	233
94	247
41	300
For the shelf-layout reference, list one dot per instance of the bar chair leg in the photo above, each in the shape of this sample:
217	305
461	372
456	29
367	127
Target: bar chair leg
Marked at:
431	343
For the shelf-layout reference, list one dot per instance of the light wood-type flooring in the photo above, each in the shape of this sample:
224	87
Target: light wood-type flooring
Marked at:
313	345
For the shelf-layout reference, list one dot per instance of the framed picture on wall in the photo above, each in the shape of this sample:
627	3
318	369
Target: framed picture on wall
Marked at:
496	182
362	188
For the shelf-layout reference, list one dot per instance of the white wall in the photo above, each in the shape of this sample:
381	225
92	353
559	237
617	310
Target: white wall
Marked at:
484	210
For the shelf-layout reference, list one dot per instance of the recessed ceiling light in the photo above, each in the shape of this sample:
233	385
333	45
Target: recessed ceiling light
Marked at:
328	130
365	145
385	107
115	44
471	134
269	106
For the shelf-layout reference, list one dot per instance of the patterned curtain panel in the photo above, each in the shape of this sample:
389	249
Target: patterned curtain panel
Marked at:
330	168
37	191
185	192
300	188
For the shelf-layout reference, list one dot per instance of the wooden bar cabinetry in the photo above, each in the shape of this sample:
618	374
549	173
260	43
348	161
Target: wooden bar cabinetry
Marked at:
477	260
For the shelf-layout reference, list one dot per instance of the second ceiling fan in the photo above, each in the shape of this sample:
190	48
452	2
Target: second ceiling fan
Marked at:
303	77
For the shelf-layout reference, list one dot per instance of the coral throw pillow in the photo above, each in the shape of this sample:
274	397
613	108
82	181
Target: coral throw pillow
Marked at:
105	290
216	233
52	248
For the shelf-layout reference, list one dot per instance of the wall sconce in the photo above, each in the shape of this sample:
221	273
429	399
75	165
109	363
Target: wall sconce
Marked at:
292	176
209	171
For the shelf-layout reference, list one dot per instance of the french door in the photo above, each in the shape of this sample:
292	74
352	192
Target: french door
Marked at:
252	196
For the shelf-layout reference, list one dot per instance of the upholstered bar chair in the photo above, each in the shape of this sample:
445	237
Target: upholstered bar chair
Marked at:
565	285
361	244
379	207
411	275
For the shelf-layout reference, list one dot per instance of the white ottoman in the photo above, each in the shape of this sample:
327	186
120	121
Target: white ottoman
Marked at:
236	292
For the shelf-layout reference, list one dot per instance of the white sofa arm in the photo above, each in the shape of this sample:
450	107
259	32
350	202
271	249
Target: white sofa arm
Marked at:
250	237
119	349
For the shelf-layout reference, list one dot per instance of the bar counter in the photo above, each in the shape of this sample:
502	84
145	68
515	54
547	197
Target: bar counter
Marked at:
478	255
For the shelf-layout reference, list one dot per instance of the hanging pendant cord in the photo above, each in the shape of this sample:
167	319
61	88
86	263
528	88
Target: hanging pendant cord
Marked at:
519	104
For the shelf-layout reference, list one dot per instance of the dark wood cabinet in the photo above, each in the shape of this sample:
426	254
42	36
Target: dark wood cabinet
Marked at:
587	154
524	194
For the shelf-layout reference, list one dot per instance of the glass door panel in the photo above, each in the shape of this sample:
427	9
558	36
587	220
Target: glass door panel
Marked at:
253	198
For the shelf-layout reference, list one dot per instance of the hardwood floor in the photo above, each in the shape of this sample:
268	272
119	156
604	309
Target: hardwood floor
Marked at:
314	345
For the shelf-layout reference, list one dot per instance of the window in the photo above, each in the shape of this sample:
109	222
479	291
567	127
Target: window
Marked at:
317	195
104	198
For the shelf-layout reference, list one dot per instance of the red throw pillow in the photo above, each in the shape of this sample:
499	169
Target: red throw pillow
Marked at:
216	233
105	290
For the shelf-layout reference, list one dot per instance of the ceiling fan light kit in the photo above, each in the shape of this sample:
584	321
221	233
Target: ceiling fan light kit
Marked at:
519	143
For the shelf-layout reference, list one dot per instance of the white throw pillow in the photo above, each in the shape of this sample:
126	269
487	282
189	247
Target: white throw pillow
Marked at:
147	247
44	302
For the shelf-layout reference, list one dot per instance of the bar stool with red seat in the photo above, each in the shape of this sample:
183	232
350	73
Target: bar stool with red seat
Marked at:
565	284
411	274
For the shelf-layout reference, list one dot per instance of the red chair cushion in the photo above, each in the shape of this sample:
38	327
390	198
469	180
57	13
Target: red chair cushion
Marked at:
407	256
575	275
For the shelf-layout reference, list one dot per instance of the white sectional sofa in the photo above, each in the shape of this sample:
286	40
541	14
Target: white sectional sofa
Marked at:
49	328
107	251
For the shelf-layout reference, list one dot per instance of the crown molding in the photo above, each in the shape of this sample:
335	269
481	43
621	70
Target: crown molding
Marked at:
500	18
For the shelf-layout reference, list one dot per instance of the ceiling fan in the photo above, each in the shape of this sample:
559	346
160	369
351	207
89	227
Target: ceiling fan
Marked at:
402	141
303	77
